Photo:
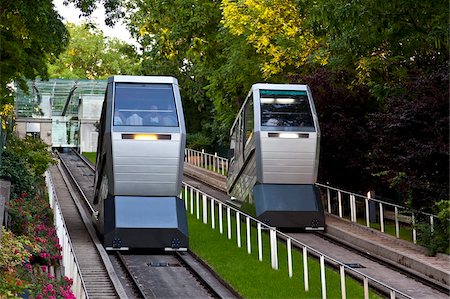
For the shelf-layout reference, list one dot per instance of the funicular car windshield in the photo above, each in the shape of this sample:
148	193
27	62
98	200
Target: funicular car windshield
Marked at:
144	104
286	110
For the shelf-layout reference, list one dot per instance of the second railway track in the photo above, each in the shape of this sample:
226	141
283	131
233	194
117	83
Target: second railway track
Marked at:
144	274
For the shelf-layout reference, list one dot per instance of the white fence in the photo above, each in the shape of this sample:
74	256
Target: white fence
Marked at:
205	160
344	204
222	217
69	260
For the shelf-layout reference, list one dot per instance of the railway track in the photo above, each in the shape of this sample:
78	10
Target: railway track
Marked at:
402	278
142	274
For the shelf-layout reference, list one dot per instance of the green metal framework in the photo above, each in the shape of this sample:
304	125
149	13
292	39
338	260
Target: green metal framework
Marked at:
60	94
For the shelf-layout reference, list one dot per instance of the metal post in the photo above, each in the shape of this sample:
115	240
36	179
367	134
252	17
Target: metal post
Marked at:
305	269
238	229
397	226
366	287
273	249
391	294
289	256
197	203
382	217
413	222
186	196
229	222
343	290
328	200
432	223
260	256
322	277
192	200
340	203
220	218
367	212
213	216
353	207
249	241
205	209
202	162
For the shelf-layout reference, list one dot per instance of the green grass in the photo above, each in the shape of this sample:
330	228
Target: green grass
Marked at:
252	278
92	156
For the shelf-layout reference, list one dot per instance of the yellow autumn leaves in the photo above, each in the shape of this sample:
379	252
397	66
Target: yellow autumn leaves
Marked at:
275	29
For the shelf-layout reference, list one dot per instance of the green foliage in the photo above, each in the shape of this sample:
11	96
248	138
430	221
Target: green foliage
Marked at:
90	55
437	240
13	250
199	141
410	139
382	39
31	33
23	163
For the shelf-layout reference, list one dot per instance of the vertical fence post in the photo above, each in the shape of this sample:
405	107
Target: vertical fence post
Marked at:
186	196
229	222
328	201
322	277
353	207
305	269
397	225
197	203
413	222
202	162
220	218
340	203
391	294
432	223
289	256
238	229
214	162
343	288
260	256
366	287
205	209
273	249
382	217
367	211
192	200
249	240
213	216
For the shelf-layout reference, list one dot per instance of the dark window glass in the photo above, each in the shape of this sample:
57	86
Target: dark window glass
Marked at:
285	110
144	104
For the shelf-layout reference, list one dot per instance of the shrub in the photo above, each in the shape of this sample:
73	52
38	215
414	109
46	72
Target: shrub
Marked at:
438	239
199	141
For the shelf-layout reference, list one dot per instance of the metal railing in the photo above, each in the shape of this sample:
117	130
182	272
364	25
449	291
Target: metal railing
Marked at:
69	260
205	160
220	216
374	213
346	204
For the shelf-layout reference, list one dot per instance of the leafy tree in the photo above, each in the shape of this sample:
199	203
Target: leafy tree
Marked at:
91	55
31	33
277	32
382	40
179	40
410	151
24	161
345	139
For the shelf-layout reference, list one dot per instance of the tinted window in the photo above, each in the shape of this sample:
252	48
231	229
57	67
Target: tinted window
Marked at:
144	104
285	110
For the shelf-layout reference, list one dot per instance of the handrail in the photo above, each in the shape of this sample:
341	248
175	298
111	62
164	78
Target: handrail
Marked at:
202	159
70	263
192	198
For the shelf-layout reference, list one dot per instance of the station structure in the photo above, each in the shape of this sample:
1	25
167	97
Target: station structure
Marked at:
62	112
